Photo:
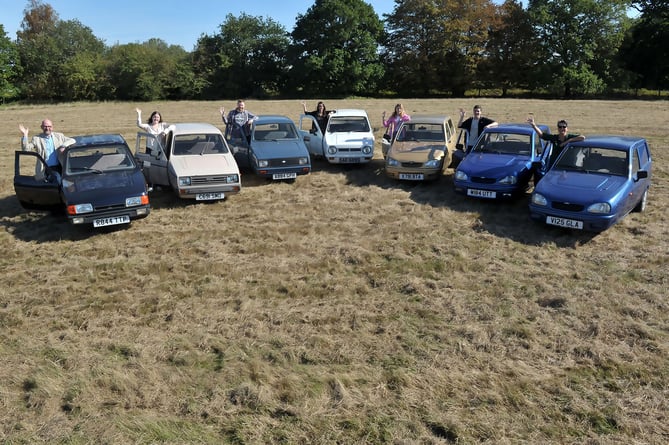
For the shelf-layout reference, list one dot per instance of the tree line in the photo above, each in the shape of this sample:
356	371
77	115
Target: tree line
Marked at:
339	48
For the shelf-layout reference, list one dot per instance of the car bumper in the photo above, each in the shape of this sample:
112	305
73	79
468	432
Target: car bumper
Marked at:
413	174
488	191
570	220
208	192
111	217
283	173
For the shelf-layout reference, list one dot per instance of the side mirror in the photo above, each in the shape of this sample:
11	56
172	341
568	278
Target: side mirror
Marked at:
460	147
641	174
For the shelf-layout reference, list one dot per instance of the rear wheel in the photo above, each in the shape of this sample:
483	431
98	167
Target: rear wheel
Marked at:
641	206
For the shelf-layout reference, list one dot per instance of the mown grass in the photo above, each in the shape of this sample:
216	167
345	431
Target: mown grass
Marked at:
342	308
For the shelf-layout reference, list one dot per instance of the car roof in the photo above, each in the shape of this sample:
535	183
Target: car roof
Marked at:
609	141
99	139
350	112
194	128
520	127
273	118
428	119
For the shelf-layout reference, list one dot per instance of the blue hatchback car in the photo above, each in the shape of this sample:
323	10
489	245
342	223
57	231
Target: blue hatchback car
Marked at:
274	150
594	183
502	162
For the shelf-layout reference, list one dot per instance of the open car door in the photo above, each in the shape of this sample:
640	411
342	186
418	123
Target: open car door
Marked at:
35	192
150	153
311	134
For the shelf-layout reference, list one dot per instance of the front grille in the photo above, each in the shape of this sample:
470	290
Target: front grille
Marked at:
209	180
481	180
108	208
349	150
412	164
289	162
566	206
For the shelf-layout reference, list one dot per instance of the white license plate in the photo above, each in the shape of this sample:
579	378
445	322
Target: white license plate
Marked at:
284	176
209	196
564	222
412	176
349	160
102	222
481	193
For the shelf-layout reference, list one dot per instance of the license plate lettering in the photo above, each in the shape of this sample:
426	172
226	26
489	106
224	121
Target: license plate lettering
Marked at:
564	222
276	176
111	221
349	160
412	176
209	196
481	193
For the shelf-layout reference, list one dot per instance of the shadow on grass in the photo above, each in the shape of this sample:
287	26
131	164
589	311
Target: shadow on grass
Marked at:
509	218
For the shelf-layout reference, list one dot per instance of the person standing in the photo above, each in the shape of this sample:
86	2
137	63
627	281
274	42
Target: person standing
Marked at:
154	125
50	145
475	125
558	140
392	124
321	114
238	121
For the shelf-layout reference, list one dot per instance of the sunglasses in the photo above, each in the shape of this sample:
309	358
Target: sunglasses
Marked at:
562	126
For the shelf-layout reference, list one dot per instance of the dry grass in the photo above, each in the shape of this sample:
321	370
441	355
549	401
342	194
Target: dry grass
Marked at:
345	308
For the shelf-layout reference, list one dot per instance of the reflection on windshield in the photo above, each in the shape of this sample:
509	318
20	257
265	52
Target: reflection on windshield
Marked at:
594	160
505	143
348	124
98	159
198	144
274	132
421	133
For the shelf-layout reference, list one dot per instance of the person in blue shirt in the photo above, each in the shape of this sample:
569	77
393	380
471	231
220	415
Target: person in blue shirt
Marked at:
238	122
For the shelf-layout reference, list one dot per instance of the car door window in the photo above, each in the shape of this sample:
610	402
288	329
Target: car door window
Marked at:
636	165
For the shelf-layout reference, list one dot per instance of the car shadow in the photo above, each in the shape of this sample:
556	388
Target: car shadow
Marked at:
508	219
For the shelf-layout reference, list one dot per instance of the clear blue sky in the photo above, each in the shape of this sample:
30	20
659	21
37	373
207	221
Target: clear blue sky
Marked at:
175	22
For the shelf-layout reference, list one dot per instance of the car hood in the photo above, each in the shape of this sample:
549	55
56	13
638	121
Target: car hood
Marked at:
204	165
416	151
579	186
493	164
103	187
344	139
279	149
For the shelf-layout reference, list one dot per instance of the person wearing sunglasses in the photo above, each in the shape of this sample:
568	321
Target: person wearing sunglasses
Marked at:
558	140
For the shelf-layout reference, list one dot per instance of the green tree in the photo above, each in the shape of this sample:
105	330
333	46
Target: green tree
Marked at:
512	49
247	58
149	71
9	67
579	40
50	50
335	49
644	51
437	45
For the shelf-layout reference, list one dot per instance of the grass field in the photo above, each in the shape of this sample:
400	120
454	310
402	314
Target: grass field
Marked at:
344	308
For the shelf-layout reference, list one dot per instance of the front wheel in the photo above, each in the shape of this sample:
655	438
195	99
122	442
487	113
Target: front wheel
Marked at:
641	205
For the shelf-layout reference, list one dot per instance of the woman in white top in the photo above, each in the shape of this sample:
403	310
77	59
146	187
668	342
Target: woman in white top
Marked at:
154	124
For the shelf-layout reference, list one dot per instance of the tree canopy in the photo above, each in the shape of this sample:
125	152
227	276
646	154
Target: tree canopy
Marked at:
342	47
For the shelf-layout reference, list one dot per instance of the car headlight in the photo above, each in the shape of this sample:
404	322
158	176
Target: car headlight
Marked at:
390	162
538	199
78	209
136	201
508	180
461	176
332	149
433	163
184	181
366	149
303	161
262	163
232	179
600	207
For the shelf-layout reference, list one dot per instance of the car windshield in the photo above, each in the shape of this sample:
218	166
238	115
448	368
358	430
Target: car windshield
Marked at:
274	132
504	143
594	160
356	124
98	159
198	144
421	133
